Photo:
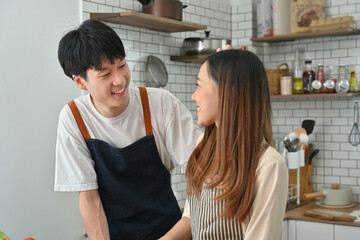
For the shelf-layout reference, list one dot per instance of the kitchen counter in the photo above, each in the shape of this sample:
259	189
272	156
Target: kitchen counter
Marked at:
298	214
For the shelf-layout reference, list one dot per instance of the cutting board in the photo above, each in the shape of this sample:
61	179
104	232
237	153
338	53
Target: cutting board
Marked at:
329	215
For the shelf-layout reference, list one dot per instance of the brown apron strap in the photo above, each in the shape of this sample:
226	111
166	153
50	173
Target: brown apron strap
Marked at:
146	110
79	120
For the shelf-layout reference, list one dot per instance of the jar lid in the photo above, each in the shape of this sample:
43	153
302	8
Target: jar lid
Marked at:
308	61
316	84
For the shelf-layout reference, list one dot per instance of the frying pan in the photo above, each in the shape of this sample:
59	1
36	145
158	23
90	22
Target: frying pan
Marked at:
156	74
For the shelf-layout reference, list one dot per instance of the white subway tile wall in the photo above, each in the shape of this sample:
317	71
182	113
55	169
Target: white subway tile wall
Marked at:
337	161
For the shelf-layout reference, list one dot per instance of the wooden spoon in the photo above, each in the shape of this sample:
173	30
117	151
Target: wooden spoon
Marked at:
300	131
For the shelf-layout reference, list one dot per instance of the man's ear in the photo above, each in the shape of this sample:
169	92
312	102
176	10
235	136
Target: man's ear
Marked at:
79	81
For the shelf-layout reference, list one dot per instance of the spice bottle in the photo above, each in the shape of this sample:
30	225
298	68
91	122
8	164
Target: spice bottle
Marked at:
285	85
353	84
308	76
297	81
317	83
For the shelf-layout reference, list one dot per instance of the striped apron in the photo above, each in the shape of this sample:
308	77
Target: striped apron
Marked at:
205	224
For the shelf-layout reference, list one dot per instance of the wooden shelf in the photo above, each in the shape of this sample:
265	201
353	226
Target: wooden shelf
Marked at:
190	58
292	37
143	20
316	95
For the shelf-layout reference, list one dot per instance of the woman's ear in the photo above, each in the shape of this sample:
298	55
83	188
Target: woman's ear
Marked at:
80	82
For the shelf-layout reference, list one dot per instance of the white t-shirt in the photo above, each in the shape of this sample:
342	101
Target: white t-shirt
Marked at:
172	125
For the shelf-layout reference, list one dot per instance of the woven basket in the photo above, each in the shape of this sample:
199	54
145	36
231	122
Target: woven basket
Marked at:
273	76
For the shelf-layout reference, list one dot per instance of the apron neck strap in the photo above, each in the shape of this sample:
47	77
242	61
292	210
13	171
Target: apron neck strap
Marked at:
146	111
145	107
79	120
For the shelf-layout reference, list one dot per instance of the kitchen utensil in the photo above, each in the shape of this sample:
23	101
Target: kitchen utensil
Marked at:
329	215
295	145
304	139
298	131
331	196
163	8
156	73
292	136
144	2
308	125
287	142
207	45
354	137
293	142
311	147
313	154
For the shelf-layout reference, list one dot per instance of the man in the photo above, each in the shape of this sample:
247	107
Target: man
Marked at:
115	146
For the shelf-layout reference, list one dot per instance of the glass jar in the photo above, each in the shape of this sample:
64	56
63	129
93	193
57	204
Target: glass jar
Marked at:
286	85
329	86
342	84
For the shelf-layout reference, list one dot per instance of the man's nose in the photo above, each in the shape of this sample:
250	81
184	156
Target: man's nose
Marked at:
119	79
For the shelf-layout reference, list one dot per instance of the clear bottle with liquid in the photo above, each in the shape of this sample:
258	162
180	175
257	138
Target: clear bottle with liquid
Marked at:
297	80
308	76
353	84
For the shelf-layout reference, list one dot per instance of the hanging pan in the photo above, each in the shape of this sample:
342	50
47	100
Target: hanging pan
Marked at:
156	74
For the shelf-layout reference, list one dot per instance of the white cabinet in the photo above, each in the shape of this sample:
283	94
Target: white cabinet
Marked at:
285	230
305	230
346	232
312	230
291	230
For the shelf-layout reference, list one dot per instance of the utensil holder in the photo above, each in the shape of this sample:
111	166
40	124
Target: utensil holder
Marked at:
305	180
295	159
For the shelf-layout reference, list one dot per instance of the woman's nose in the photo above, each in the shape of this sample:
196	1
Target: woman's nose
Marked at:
193	96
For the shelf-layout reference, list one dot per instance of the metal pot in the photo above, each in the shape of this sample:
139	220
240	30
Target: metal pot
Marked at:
163	8
196	45
335	195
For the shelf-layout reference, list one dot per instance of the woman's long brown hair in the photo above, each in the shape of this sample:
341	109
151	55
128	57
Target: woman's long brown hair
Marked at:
229	153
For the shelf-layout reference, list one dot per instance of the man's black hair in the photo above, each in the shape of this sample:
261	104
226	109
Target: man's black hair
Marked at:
86	46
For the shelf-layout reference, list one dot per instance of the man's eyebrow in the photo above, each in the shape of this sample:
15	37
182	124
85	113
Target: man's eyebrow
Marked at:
104	68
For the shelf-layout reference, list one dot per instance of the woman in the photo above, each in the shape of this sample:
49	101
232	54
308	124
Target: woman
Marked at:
236	181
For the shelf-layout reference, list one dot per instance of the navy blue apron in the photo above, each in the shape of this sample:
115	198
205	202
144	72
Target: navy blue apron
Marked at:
134	185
